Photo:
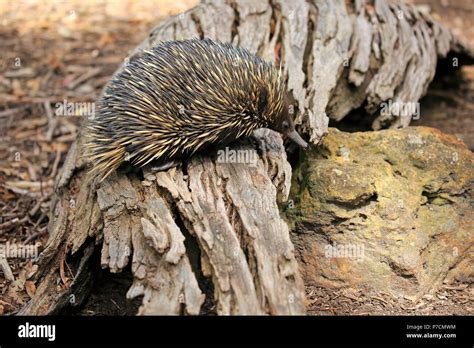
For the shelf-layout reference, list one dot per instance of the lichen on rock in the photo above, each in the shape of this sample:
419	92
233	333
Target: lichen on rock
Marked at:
390	210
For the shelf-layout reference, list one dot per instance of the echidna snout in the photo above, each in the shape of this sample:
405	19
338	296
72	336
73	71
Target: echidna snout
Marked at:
285	125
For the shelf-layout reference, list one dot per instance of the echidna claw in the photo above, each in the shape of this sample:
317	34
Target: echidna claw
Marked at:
165	166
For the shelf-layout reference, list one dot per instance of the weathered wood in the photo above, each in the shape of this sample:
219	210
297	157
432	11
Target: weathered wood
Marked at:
227	213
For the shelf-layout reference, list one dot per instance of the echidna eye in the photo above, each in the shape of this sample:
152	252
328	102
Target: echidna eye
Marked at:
285	125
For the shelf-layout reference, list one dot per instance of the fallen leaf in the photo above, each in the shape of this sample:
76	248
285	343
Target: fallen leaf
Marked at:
30	288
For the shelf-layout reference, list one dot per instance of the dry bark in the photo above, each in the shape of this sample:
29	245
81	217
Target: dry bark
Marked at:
337	57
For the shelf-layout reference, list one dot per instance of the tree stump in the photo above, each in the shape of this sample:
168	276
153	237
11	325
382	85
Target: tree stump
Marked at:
221	221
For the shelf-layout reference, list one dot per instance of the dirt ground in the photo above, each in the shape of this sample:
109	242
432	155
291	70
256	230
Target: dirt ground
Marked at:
67	50
450	299
53	51
449	103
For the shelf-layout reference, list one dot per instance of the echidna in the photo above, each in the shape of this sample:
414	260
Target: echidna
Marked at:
183	96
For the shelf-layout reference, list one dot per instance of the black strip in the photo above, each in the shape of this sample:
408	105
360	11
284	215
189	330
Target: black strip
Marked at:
243	330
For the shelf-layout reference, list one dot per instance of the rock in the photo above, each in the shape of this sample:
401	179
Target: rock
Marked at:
388	210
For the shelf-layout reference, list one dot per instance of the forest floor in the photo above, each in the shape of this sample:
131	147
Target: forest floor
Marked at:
64	52
53	53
